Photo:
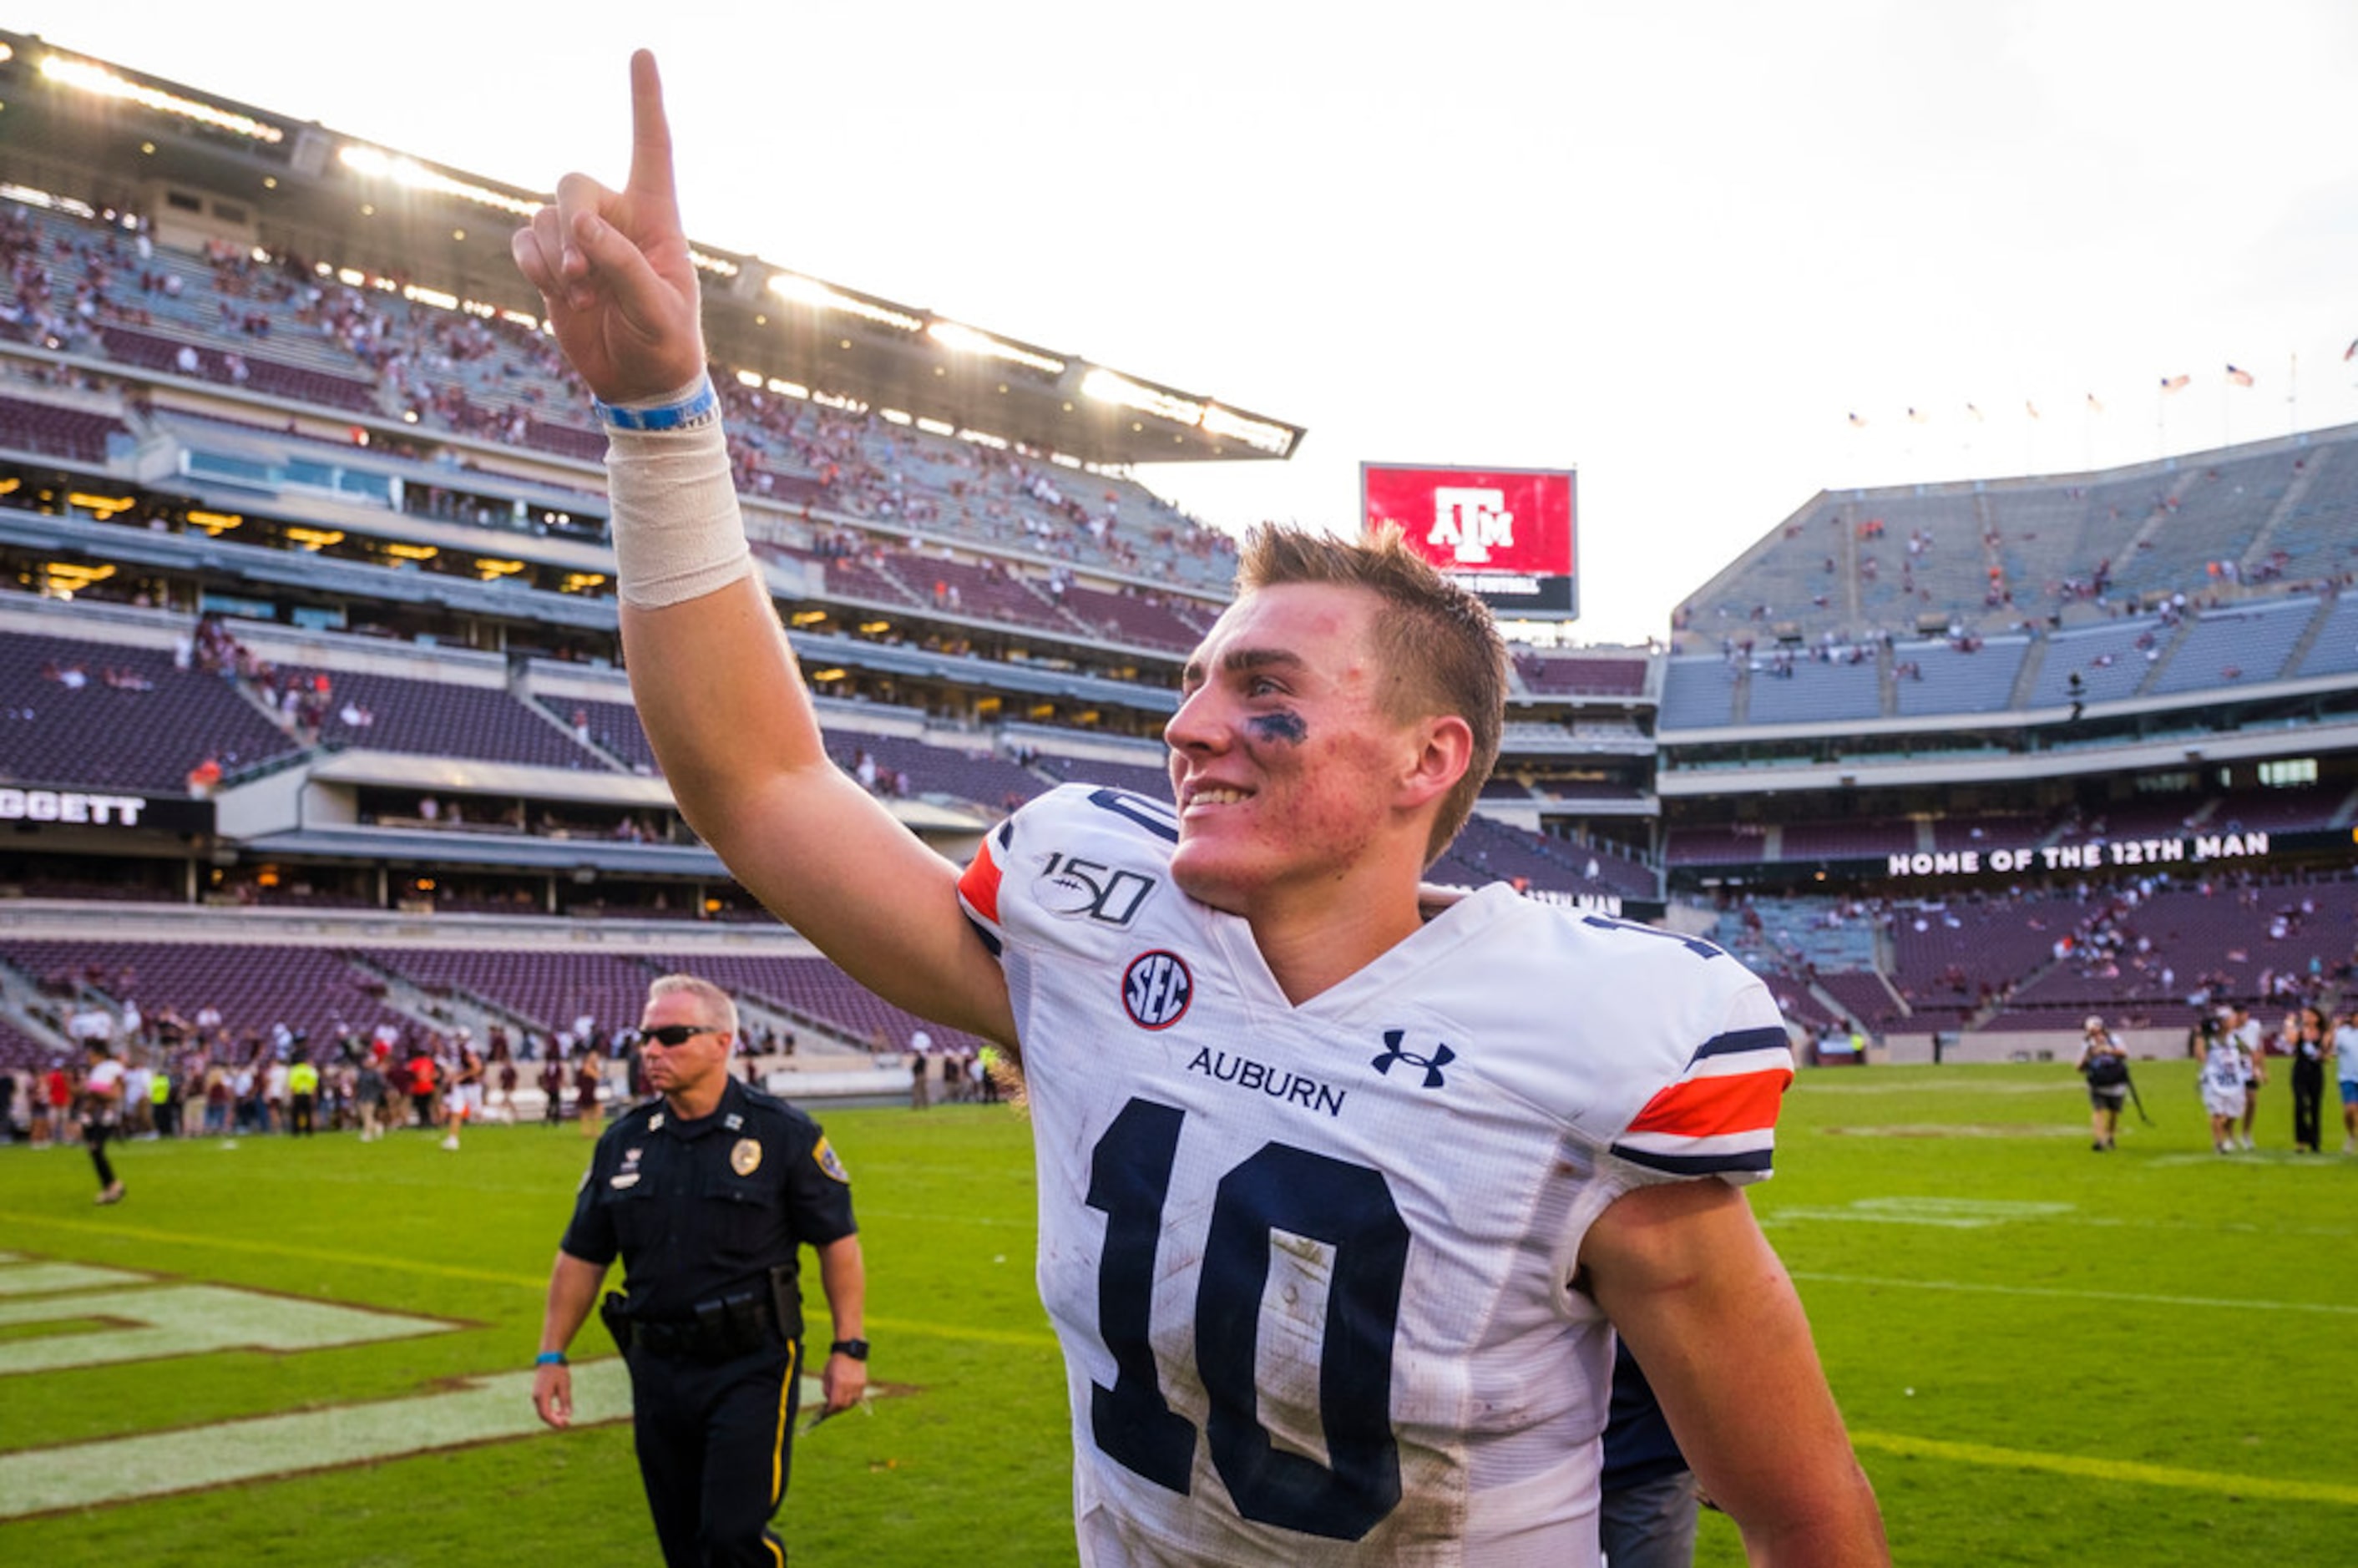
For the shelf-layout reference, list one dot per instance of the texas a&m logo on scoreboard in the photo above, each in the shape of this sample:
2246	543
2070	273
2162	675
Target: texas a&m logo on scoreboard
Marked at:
1506	534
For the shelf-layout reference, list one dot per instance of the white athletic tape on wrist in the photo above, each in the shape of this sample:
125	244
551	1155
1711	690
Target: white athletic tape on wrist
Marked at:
677	533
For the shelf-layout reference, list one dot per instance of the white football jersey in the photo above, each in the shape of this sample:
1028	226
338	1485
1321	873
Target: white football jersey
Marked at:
1311	1266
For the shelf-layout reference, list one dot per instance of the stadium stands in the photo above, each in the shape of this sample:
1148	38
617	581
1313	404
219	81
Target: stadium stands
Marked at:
96	715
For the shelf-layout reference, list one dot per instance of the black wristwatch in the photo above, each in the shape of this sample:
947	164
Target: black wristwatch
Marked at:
855	1349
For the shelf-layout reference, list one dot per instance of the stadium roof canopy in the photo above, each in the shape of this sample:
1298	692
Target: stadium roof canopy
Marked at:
118	140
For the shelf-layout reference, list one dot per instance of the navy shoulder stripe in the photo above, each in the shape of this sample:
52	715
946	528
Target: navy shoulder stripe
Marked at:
1768	1038
1697	1164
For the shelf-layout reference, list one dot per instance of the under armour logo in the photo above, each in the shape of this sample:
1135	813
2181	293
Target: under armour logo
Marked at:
1442	1056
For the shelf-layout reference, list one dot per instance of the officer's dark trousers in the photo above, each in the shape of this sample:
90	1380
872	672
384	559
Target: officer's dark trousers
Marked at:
715	1440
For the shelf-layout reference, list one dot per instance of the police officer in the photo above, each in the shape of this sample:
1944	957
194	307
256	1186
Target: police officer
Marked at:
707	1192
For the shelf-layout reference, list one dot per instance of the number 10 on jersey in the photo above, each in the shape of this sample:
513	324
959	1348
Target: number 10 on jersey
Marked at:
1282	1187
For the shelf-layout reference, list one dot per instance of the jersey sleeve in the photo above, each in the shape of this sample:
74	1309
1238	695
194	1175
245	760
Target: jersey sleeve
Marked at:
1071	870
978	887
1717	1116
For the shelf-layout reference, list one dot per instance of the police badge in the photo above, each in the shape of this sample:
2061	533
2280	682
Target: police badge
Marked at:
746	1157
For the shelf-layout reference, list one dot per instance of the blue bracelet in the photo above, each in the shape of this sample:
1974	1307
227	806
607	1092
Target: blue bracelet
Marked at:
549	1358
698	408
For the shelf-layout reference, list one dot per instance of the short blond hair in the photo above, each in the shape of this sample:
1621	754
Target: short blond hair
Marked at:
719	1007
1441	653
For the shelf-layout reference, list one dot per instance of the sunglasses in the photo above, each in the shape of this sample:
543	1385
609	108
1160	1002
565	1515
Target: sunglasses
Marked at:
672	1034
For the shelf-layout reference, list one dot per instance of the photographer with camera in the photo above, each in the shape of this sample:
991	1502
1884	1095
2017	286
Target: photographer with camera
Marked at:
2104	1063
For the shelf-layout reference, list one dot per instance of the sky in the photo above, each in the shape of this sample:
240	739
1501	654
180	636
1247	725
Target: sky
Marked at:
1675	247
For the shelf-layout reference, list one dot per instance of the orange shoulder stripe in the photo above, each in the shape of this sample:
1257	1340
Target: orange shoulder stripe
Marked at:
1708	1108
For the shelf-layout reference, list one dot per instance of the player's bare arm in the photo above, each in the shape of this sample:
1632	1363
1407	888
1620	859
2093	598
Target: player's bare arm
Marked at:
1710	1314
711	672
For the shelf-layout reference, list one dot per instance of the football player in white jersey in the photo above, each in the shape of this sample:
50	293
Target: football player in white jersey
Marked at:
1340	1207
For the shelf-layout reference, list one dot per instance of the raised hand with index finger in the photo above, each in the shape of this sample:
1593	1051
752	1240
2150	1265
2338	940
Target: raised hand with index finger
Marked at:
612	267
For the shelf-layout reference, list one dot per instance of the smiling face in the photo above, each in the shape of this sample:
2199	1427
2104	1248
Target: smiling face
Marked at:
1289	773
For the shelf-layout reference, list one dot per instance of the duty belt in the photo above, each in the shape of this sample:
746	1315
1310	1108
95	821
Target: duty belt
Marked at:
717	1330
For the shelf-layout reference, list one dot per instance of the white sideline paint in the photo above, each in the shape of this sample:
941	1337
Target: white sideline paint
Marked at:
2334	1309
47	1279
187	1320
121	1469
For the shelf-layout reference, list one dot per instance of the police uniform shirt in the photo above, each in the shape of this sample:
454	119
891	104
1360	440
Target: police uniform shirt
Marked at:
702	1209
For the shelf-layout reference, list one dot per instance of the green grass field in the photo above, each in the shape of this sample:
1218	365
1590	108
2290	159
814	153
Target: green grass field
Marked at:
2046	1355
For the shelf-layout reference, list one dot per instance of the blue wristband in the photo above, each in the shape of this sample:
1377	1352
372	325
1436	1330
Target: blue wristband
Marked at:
549	1358
698	408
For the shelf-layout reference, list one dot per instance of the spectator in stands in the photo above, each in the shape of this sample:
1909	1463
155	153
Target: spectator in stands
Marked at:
2104	1063
1318	772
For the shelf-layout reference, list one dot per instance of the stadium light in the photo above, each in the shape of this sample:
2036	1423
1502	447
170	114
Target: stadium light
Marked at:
407	552
411	175
487	568
966	340
106	506
94	79
27	196
1105	386
316	539
811	292
1258	434
214	524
